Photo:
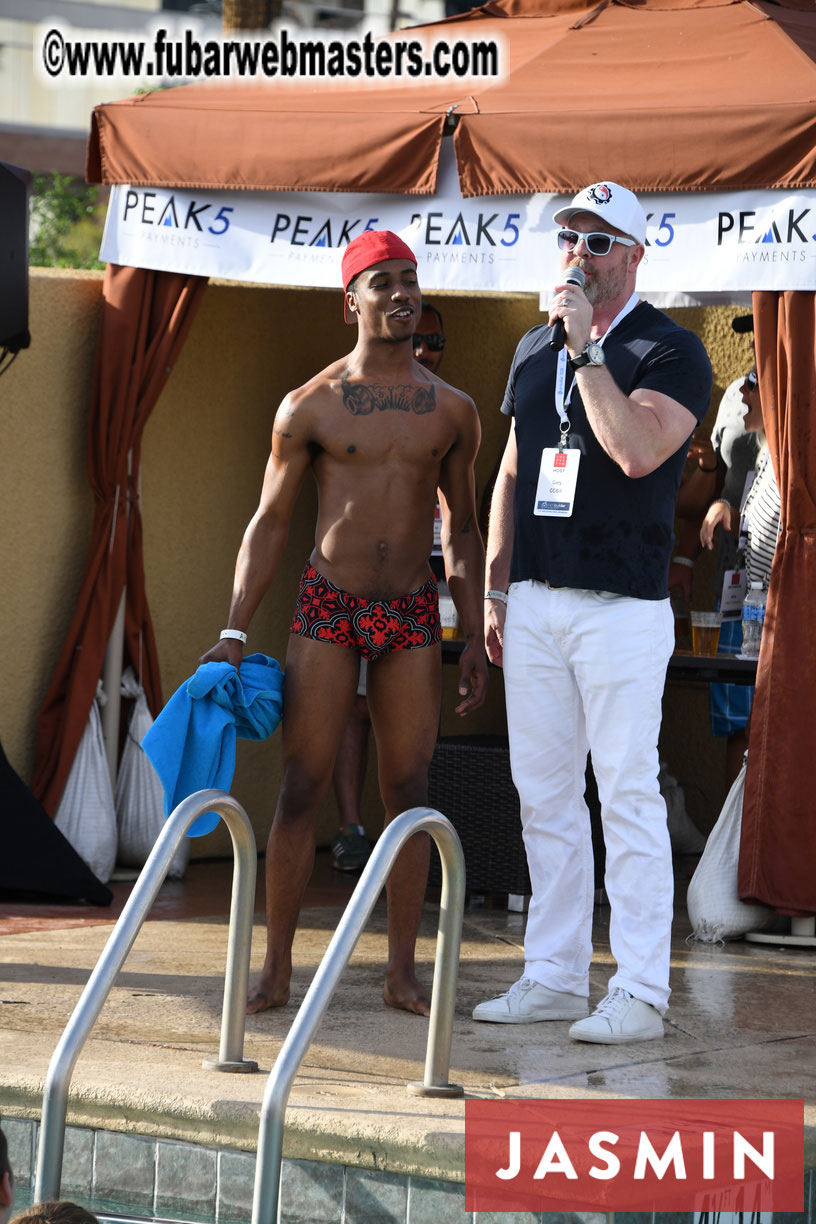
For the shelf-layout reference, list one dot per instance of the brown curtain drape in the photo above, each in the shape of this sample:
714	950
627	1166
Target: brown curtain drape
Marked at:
778	847
145	318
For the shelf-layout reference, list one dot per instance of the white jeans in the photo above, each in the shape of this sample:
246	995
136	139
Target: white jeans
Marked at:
585	669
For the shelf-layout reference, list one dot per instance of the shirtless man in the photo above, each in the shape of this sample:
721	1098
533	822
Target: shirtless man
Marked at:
381	435
350	846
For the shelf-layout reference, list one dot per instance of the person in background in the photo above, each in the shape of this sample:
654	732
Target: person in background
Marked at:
350	845
758	525
724	472
6	1181
720	465
577	612
429	338
61	1211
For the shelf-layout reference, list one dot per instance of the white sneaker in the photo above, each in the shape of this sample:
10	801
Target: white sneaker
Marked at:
527	1001
618	1018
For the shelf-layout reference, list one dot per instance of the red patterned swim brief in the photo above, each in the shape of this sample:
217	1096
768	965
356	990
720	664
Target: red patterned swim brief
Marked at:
369	626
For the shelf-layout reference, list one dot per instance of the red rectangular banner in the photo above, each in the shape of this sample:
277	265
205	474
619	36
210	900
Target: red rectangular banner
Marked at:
682	1155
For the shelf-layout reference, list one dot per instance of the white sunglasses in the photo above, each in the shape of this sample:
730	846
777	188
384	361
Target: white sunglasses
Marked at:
596	244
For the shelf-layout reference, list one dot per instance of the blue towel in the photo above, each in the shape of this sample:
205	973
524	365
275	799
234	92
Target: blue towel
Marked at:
192	742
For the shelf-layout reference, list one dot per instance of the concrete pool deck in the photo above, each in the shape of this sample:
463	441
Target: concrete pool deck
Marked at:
742	1023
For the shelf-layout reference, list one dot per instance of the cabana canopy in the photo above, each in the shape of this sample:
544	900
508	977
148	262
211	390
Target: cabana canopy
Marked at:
664	94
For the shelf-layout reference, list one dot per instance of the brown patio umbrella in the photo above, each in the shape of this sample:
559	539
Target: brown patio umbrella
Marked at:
658	94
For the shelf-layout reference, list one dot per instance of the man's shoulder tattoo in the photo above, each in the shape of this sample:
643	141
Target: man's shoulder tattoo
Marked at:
283	419
362	398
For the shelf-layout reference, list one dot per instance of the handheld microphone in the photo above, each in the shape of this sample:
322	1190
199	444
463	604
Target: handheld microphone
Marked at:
572	276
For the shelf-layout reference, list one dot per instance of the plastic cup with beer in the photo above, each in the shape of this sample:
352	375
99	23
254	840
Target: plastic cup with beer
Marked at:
705	632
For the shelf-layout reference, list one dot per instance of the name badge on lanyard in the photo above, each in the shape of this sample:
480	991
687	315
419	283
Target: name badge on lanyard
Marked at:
733	594
558	476
555	494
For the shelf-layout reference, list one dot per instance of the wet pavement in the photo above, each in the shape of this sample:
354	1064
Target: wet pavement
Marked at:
742	1023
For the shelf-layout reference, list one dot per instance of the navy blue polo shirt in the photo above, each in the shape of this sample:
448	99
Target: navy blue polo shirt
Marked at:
620	535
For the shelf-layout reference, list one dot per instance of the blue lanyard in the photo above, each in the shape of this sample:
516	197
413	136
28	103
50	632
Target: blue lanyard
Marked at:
561	399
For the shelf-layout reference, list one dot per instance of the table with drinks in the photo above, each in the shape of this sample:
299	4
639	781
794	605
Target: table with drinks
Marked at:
702	663
683	665
708	669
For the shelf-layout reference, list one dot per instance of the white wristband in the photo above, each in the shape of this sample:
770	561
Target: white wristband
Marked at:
500	595
234	633
683	561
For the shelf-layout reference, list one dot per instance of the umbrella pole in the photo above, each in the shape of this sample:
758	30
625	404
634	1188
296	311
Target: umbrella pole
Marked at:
112	684
112	667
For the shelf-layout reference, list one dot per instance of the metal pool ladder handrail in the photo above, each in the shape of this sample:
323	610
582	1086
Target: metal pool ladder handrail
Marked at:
437	1060
122	938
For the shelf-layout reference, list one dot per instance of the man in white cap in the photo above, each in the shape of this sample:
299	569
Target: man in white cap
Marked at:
577	612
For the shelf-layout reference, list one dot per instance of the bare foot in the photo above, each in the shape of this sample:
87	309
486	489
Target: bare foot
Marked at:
406	994
267	992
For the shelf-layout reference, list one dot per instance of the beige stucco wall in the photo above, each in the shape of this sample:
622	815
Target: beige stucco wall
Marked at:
46	505
204	452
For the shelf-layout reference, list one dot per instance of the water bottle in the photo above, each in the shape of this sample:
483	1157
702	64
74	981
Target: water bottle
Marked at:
753	616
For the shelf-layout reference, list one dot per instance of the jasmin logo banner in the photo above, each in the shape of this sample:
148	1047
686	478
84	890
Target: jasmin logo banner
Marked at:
613	1155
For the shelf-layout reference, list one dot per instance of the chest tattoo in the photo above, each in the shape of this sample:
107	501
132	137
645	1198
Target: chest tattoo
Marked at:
362	398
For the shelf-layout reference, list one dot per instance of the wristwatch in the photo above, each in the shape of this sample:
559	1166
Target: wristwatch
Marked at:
592	355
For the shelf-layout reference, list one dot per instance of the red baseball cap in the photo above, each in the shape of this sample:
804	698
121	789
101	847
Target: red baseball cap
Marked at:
369	248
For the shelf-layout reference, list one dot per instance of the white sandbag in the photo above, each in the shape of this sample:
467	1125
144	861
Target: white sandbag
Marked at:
685	837
86	816
714	907
139	795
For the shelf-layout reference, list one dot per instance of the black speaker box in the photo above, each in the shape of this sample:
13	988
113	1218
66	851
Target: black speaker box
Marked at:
15	186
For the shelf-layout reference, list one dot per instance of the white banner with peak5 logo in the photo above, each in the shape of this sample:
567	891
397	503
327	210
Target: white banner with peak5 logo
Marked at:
697	243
